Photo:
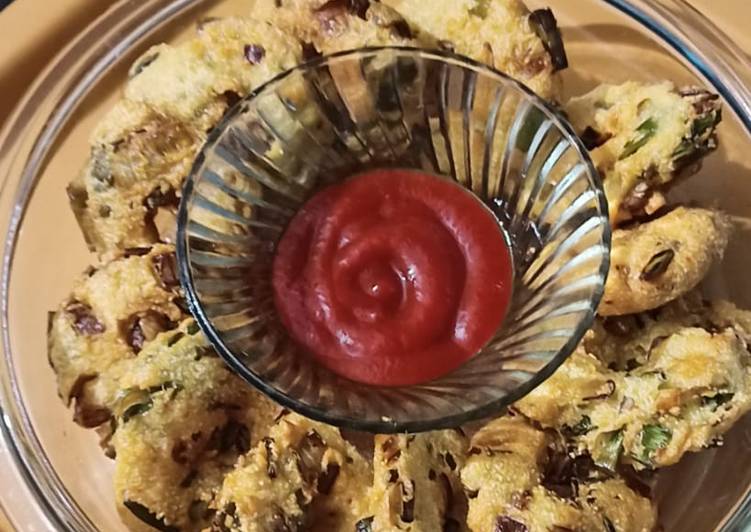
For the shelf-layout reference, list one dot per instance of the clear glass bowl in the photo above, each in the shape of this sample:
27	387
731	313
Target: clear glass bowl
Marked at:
316	125
54	474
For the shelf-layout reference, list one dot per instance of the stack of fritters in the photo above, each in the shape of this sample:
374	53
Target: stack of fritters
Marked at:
662	372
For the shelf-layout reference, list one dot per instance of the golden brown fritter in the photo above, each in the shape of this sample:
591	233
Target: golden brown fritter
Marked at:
416	484
228	54
518	477
181	421
624	342
101	327
499	33
641	136
143	149
660	260
684	380
299	463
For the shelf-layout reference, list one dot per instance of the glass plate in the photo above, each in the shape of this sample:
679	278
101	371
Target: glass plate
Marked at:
60	479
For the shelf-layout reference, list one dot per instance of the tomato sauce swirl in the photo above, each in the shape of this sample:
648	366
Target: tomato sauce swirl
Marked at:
393	277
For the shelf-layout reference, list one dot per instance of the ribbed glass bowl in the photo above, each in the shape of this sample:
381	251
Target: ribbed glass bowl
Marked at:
54	475
336	116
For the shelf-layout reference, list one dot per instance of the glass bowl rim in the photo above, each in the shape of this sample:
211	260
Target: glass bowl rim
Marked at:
28	134
386	426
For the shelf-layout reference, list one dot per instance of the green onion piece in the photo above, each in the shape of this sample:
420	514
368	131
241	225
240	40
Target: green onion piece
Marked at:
703	123
583	426
644	132
684	149
136	401
654	437
136	410
610	449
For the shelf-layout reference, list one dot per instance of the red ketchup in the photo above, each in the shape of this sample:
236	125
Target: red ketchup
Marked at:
393	277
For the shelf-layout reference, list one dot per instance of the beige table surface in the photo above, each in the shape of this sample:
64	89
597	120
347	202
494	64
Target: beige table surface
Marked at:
34	30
